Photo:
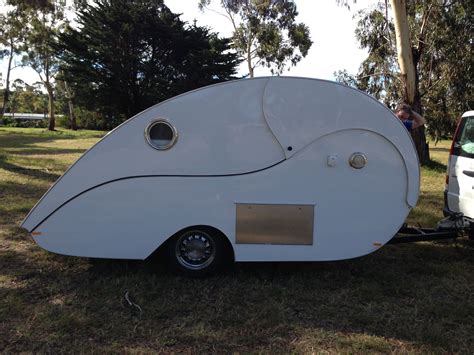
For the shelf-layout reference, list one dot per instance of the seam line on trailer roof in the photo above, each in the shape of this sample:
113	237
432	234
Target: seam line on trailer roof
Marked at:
266	120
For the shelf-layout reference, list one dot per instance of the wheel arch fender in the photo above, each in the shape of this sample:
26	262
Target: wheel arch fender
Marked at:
157	252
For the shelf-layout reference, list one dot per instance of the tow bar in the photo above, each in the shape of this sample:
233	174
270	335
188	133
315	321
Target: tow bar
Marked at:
450	227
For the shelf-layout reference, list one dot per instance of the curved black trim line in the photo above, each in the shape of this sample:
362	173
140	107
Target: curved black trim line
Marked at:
146	176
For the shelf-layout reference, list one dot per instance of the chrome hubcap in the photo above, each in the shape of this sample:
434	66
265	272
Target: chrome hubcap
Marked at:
195	250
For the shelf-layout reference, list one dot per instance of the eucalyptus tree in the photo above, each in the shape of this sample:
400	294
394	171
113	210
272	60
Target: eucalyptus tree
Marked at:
440	84
11	37
65	94
265	32
41	21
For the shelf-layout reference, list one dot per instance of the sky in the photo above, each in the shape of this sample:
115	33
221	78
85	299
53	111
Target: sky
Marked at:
332	32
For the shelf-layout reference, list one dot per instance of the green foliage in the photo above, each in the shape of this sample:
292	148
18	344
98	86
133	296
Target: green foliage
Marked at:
11	122
12	33
39	54
28	98
377	74
85	120
42	21
442	48
125	56
63	121
266	32
7	121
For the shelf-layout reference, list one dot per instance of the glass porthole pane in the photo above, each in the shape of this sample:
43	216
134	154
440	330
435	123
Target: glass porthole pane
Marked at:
161	135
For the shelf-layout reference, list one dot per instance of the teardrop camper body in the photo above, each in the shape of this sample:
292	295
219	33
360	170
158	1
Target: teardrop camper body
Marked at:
271	169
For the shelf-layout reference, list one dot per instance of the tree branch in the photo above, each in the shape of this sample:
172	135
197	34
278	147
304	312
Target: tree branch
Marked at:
230	17
257	63
219	13
386	73
431	86
421	37
39	74
387	23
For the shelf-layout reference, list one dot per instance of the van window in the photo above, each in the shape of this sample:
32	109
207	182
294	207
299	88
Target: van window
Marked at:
161	135
464	142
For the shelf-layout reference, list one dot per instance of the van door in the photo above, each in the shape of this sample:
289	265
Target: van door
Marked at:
461	176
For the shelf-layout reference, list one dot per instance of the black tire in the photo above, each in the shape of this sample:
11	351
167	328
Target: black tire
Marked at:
198	252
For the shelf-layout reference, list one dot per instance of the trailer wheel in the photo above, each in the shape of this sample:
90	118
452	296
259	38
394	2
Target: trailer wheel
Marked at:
198	252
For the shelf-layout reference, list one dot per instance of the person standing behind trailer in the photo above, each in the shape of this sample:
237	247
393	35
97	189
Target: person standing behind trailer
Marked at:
410	118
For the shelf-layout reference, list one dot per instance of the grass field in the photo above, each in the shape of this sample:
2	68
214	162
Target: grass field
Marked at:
406	298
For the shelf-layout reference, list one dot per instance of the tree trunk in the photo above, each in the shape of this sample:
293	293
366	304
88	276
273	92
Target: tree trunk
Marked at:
72	118
251	71
408	73
52	120
404	49
422	147
249	63
6	93
419	134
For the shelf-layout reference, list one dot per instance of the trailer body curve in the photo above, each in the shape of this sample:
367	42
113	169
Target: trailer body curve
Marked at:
261	142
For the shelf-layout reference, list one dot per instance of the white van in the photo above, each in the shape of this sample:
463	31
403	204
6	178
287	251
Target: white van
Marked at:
459	191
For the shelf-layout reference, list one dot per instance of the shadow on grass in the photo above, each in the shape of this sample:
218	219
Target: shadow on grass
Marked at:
34	173
46	151
28	139
435	166
17	199
416	295
19	140
16	190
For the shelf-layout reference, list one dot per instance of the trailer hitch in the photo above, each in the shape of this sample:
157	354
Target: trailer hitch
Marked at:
450	227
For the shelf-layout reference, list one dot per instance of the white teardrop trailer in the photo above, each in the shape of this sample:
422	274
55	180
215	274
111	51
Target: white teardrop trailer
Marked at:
266	169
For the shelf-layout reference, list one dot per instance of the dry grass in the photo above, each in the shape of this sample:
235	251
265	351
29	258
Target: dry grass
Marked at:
408	298
430	206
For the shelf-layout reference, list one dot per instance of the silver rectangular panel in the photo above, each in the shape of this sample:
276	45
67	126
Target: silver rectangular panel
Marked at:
274	224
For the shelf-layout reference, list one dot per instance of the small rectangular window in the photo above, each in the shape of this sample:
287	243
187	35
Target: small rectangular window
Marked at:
464	140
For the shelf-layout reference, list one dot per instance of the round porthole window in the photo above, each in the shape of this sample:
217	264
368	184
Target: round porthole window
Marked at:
161	135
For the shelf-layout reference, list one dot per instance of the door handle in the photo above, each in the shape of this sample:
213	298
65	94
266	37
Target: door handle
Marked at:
468	173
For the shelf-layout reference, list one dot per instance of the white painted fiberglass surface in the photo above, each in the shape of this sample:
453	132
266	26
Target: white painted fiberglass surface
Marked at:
300	110
356	211
259	141
221	130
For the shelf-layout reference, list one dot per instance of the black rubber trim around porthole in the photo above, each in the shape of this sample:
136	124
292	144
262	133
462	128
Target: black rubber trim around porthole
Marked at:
147	176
